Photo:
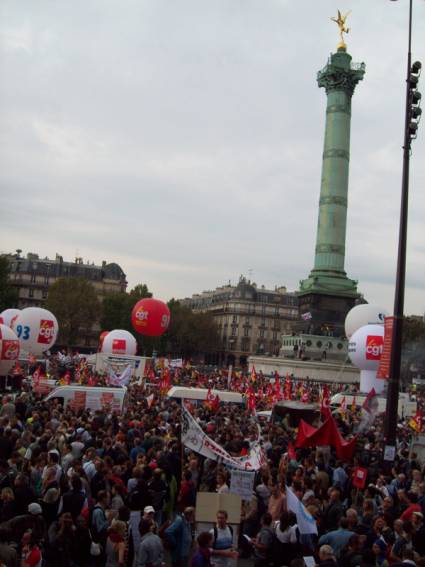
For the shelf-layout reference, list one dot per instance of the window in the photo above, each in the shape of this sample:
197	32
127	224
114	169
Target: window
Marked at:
261	333
319	344
235	318
31	292
32	278
274	336
263	310
44	293
246	332
234	331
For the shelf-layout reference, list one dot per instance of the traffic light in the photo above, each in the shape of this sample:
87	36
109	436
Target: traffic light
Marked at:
415	96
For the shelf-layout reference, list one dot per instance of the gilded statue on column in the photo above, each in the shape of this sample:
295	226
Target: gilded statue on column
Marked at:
340	21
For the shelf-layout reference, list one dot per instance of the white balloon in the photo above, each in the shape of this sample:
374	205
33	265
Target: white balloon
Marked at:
119	341
365	347
9	349
365	314
8	316
37	329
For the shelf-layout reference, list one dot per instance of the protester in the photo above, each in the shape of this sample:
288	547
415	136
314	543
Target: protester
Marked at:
150	552
77	477
179	537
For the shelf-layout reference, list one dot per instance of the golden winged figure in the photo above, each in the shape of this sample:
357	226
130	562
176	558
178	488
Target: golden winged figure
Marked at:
340	21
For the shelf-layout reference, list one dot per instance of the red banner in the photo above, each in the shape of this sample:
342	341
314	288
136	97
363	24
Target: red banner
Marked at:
385	362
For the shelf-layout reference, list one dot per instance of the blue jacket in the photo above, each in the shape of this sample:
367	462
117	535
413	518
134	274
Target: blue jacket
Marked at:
179	536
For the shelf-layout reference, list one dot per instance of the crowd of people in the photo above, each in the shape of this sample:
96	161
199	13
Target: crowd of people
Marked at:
92	488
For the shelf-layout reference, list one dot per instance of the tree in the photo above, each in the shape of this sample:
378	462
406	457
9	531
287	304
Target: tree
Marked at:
75	304
413	347
116	314
189	333
8	293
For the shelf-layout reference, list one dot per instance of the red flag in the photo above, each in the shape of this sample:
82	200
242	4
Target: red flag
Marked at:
416	421
326	434
369	397
215	404
253	374
251	402
287	389
353	405
277	392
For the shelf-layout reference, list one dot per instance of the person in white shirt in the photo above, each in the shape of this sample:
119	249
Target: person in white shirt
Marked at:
89	466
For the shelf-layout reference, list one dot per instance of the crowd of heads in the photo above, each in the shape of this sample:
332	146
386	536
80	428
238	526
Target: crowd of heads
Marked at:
70	480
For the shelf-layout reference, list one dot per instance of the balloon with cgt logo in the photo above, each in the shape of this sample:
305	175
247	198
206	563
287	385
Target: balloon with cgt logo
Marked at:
8	316
150	317
365	350
9	349
37	329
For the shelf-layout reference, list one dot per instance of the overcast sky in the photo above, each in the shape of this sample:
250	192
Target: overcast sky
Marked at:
183	139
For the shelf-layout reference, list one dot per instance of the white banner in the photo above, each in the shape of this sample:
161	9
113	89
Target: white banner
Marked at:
121	380
194	438
242	483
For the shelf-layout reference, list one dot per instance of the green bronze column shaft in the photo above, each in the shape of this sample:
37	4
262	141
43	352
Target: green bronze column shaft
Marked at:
339	77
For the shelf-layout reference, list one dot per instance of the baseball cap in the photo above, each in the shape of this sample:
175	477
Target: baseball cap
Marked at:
34	509
149	510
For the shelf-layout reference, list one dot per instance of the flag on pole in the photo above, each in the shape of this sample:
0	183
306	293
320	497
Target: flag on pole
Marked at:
416	421
305	521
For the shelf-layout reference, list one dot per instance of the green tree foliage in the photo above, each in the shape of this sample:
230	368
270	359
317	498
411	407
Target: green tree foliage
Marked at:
117	308
413	348
8	293
75	304
189	333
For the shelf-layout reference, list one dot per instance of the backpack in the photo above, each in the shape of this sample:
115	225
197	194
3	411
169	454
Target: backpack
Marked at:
216	533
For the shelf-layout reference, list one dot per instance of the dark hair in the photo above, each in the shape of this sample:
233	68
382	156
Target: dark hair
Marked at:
266	519
101	495
204	539
144	526
76	482
284	521
187	475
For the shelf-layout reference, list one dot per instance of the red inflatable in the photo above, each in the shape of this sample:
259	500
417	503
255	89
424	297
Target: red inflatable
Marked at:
150	317
101	339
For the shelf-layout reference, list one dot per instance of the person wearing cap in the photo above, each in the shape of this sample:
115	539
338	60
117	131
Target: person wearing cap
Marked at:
149	514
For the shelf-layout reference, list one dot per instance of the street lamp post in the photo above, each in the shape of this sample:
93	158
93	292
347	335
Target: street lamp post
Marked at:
412	117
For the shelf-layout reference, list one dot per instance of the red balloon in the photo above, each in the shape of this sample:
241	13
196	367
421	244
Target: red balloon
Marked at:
150	317
102	338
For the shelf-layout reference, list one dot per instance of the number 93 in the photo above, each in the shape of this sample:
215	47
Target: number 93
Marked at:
23	332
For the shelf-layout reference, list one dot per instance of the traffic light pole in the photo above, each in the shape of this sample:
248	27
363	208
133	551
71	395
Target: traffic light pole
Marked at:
390	427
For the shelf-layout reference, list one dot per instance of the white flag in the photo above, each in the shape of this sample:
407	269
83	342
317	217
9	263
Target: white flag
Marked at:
305	521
